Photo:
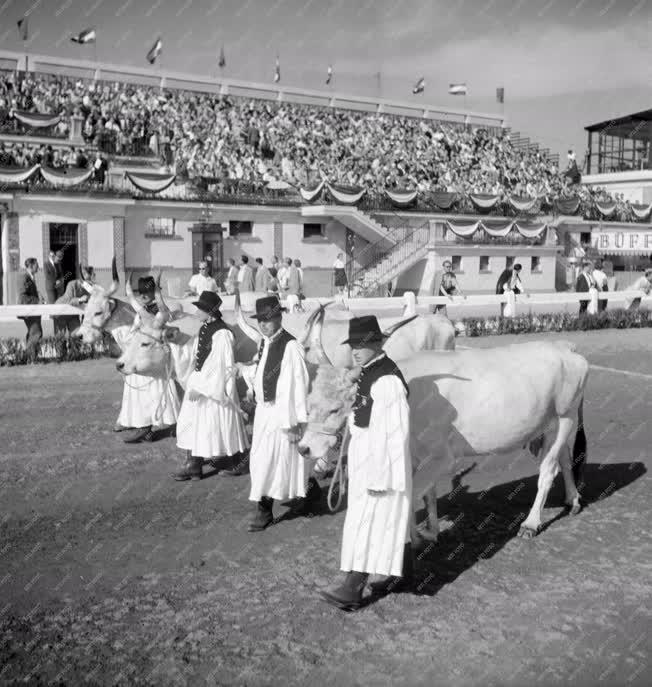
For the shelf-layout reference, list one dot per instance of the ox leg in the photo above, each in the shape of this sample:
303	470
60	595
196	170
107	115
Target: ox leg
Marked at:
547	471
572	495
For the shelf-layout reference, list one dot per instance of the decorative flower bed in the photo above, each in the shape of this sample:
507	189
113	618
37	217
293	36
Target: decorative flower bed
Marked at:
553	322
58	349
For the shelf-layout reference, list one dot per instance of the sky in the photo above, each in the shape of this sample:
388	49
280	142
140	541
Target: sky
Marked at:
564	64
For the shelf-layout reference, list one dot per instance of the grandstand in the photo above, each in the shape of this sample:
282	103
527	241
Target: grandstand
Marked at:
166	169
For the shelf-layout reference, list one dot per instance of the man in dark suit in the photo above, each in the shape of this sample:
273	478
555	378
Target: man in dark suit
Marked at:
28	295
54	283
585	281
509	280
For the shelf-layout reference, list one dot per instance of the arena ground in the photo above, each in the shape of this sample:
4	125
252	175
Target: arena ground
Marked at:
111	573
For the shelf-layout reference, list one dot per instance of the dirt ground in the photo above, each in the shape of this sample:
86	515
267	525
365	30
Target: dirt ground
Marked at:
113	574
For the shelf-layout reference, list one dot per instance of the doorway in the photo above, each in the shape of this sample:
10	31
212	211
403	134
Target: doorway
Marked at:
64	237
207	245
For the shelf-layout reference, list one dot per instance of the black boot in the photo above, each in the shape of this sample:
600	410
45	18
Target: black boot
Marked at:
311	502
263	516
348	596
392	583
191	470
142	434
239	465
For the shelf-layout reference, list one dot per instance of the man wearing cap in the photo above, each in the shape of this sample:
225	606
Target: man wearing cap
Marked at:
376	532
210	423
280	383
143	398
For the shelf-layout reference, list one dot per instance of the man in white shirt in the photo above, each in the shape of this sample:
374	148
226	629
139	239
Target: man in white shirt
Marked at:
202	281
600	278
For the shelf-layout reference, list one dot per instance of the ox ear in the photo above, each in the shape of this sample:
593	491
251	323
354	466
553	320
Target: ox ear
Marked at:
171	333
112	304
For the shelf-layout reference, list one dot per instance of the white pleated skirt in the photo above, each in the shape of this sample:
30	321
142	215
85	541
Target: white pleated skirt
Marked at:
277	468
209	429
148	401
376	528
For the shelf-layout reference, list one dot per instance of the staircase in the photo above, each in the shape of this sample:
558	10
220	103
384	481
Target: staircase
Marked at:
357	221
382	264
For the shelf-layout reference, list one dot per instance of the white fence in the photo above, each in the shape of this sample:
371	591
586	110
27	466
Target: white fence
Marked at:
411	303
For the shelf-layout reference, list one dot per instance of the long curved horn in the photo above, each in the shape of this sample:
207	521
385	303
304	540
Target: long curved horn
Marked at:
390	330
307	328
248	330
315	346
138	307
116	279
163	314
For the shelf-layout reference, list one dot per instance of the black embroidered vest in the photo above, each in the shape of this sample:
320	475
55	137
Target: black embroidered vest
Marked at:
272	369
205	341
363	401
152	308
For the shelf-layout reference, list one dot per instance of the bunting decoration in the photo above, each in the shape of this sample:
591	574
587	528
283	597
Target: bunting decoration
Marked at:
150	183
605	209
222	61
35	119
457	89
86	36
484	201
312	194
443	199
329	74
277	70
66	178
641	211
347	195
567	206
23	29
522	203
154	51
12	175
278	185
402	198
419	86
495	229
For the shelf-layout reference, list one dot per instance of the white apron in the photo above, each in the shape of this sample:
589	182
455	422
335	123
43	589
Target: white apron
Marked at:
377	527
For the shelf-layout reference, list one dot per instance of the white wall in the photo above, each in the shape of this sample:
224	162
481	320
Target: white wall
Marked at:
260	245
100	243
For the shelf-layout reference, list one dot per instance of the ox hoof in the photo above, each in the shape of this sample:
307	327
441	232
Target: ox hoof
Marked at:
528	532
424	533
575	508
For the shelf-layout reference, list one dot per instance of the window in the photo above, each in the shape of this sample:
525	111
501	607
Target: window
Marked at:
535	264
311	231
509	261
237	229
160	226
457	263
484	263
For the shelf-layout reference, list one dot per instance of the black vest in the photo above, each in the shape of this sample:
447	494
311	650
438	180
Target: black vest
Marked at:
369	375
152	308
273	363
205	341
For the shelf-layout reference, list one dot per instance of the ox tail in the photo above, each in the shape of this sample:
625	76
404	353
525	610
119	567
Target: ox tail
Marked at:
579	447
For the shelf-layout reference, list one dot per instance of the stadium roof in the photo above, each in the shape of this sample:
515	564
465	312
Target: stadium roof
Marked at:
637	126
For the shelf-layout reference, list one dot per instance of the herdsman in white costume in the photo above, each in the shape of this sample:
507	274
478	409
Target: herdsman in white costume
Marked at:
280	383
149	404
376	532
210	423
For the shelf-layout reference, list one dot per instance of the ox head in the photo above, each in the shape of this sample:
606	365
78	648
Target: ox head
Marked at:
99	308
148	351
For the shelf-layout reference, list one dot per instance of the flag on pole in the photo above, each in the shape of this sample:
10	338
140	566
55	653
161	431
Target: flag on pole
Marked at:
277	71
329	74
86	36
222	61
155	51
500	95
419	86
457	89
23	29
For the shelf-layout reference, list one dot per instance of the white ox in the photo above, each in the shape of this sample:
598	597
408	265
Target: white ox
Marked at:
471	403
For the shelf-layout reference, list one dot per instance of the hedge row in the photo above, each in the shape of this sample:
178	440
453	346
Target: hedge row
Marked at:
553	322
62	349
59	349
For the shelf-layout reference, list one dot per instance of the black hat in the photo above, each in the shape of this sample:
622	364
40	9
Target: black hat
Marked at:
268	308
209	302
363	330
146	284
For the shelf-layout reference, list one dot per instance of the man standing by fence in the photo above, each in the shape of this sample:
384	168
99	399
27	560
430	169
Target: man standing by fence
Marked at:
28	295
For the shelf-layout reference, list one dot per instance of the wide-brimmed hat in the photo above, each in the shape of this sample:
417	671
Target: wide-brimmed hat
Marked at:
146	284
363	330
268	308
209	302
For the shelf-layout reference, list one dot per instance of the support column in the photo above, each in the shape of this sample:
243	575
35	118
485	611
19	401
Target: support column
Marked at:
278	239
426	288
119	241
82	237
4	255
10	256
